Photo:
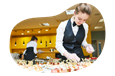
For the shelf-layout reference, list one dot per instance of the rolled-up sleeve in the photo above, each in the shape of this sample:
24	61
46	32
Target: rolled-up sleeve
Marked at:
59	37
86	32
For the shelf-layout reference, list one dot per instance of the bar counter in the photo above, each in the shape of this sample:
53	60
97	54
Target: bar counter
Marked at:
47	54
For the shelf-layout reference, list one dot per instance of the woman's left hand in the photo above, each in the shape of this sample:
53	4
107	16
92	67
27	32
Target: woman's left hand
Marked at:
89	48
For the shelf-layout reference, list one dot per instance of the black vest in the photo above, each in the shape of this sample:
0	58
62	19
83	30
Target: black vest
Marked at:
71	42
29	54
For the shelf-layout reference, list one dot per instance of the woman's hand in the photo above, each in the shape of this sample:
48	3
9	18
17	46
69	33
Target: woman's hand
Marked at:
71	56
22	57
89	48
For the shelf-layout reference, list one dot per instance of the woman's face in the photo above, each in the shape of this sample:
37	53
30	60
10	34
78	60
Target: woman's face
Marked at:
35	40
80	18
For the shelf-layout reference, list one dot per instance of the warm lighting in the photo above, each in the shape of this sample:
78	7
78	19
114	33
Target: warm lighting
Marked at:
22	33
98	27
101	20
70	12
23	43
41	42
28	31
39	31
50	42
44	24
46	43
46	30
15	43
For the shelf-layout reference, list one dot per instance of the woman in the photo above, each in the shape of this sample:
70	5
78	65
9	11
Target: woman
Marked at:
72	34
29	53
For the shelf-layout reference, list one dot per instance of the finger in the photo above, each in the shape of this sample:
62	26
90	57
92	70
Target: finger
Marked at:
88	51
91	48
71	57
88	48
91	51
77	58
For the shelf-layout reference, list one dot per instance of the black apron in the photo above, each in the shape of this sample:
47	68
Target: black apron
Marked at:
71	42
29	54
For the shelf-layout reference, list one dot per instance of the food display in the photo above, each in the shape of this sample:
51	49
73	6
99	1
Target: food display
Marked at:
54	65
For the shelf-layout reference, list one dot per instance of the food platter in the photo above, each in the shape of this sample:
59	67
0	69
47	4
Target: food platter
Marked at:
54	65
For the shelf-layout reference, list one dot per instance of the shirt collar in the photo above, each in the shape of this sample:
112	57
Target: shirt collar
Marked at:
72	20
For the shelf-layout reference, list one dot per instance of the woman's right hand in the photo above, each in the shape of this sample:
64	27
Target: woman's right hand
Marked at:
71	56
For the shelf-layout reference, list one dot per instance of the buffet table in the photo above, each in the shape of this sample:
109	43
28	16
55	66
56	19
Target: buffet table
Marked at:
54	65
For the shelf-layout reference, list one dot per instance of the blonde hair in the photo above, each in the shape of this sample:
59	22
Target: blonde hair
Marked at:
84	8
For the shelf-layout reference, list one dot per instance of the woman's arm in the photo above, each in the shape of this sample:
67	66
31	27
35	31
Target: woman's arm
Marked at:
84	43
22	57
59	38
24	52
35	48
87	46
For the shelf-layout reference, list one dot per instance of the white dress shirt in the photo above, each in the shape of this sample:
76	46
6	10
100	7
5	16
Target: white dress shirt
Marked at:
60	35
31	44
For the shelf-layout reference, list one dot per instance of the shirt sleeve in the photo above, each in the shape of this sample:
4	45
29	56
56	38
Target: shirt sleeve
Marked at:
24	52
86	32
59	38
35	50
